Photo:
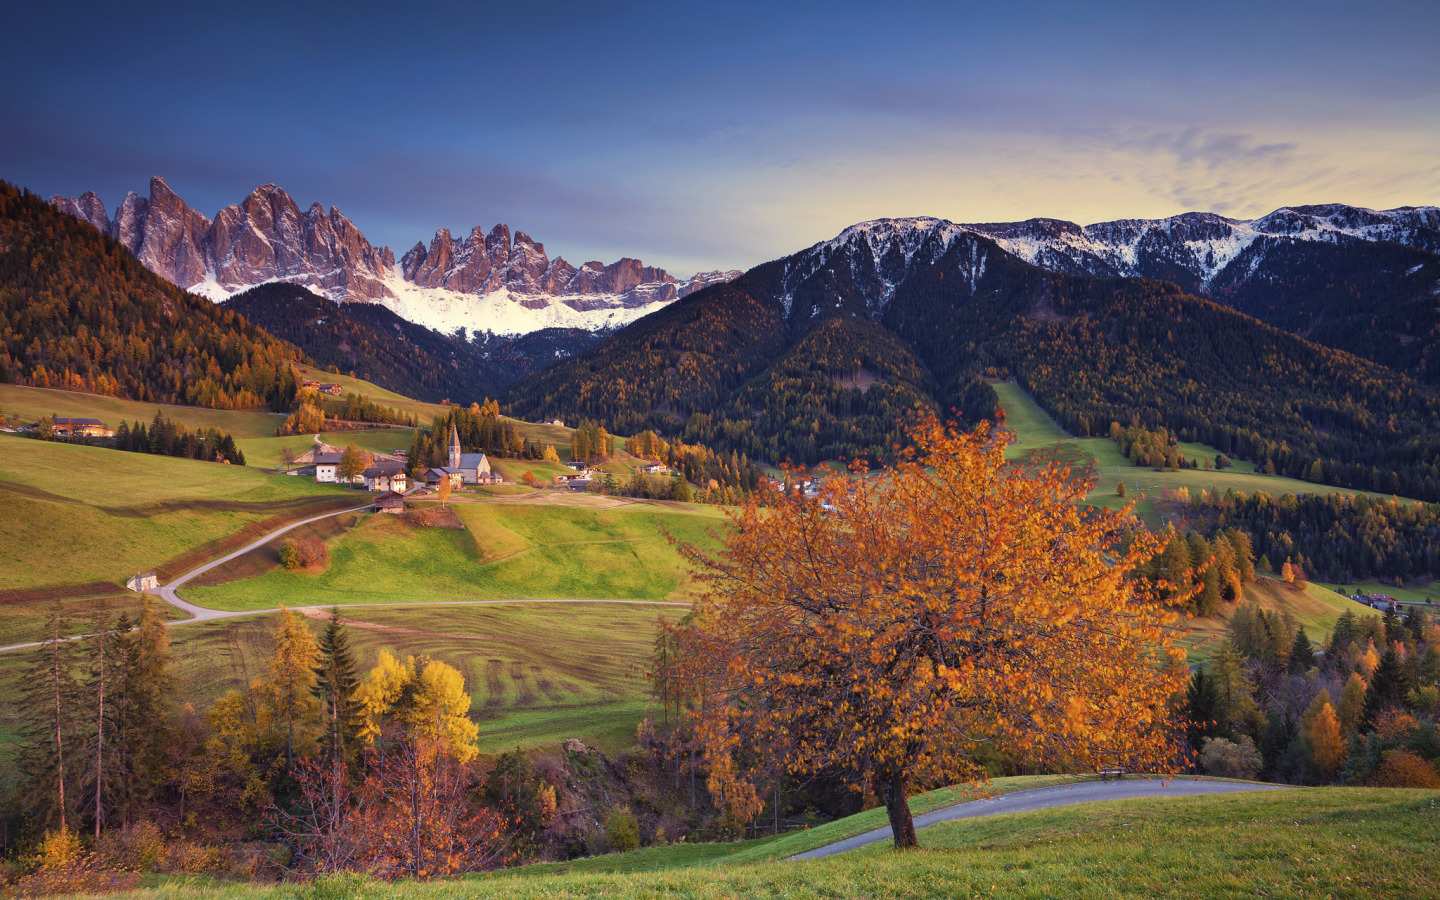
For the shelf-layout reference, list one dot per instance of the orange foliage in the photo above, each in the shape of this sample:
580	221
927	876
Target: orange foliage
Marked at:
1401	768
886	627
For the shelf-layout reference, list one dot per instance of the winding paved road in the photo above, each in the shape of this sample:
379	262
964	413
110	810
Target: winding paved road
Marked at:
205	614
1047	798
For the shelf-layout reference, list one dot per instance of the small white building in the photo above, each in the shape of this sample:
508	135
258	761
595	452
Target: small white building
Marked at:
142	584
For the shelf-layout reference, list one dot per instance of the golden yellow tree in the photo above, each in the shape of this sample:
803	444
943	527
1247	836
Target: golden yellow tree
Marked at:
287	687
427	698
443	488
888	627
1352	702
1322	733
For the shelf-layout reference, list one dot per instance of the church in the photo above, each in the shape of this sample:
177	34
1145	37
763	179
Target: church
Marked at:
473	468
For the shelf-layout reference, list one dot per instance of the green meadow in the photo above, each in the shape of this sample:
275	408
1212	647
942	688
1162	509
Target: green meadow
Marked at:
28	404
1315	842
75	515
1037	434
264	452
576	547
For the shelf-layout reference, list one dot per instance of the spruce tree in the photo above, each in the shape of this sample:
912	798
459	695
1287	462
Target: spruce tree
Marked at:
1388	687
1302	655
1202	710
335	686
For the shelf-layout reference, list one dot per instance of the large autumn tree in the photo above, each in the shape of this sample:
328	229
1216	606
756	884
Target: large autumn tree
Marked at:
894	625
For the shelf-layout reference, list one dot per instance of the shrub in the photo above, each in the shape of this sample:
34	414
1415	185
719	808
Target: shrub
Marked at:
303	553
1230	759
1403	769
623	831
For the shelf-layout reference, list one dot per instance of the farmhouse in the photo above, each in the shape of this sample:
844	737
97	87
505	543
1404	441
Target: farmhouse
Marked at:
390	502
657	469
140	584
334	390
436	474
385	476
472	466
71	427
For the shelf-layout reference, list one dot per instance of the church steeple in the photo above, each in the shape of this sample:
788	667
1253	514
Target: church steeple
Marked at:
454	447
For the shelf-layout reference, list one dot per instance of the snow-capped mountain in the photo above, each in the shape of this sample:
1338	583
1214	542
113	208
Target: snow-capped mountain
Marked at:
1195	250
484	283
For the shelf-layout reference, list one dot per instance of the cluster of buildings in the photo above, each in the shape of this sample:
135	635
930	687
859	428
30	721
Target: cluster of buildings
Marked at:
1382	602
333	390
385	472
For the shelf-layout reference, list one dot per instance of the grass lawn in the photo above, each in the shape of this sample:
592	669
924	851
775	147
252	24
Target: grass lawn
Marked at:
129	512
30	403
1315	842
508	550
264	452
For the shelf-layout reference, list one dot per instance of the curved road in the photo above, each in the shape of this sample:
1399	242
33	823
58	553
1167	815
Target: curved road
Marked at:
1047	798
205	614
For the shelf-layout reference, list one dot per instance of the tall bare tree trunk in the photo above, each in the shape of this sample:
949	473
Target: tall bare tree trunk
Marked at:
59	738
100	743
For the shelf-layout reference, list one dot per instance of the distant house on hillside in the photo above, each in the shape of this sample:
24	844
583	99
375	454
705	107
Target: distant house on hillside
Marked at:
390	502
141	584
657	469
311	384
66	426
560	422
334	390
472	466
385	476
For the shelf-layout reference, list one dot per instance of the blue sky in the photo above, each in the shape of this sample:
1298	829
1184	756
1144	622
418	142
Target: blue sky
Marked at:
699	137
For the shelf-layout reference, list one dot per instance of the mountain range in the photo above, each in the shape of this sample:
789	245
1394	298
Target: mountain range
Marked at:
491	282
819	354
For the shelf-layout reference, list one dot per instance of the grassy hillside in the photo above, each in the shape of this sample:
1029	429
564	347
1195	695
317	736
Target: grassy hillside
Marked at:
1315	607
77	515
1036	433
30	403
561	546
264	452
1323	842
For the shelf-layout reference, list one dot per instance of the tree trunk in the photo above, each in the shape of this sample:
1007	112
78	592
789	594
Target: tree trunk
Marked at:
897	807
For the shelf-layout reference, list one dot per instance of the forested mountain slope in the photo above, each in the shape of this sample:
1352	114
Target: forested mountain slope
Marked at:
749	364
79	311
399	355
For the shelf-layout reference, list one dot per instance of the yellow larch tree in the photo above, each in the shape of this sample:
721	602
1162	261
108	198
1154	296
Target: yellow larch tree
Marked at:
889	627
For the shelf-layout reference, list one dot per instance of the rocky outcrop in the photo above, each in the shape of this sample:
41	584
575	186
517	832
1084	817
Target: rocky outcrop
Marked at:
267	237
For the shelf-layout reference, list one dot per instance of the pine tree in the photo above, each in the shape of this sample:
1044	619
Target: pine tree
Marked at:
143	688
335	686
48	723
1202	710
1388	687
1302	655
289	685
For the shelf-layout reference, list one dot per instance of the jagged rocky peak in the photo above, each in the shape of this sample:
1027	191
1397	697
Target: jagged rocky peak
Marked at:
268	237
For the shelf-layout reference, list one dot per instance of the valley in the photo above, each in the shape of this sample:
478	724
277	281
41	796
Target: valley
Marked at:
579	495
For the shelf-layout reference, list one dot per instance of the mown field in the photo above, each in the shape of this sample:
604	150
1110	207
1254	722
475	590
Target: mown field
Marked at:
536	673
563	547
77	515
1316	842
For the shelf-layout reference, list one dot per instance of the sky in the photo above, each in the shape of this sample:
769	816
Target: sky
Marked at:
699	137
